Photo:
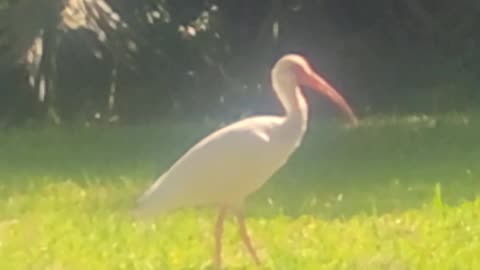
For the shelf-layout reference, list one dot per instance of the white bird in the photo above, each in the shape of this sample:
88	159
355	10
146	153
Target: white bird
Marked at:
233	162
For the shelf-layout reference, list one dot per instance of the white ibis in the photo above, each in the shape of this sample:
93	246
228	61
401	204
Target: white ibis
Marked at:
233	162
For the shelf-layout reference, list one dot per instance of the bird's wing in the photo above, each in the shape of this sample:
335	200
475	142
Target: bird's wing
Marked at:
221	165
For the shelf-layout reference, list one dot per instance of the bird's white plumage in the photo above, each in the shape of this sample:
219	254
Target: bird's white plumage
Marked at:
226	166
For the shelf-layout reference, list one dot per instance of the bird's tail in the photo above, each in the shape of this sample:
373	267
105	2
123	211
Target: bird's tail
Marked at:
147	208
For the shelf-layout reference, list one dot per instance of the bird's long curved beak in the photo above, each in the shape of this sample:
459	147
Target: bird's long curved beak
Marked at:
316	82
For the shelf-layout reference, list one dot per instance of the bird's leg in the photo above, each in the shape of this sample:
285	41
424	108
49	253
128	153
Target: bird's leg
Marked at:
217	257
245	238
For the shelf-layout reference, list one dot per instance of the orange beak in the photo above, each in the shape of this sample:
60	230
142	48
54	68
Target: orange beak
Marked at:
316	82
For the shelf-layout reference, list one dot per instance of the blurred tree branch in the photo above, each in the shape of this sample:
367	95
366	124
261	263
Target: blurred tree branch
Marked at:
32	30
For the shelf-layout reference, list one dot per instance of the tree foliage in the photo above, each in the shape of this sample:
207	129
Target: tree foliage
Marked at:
143	58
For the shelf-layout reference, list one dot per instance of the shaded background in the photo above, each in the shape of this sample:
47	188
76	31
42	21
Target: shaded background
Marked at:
140	61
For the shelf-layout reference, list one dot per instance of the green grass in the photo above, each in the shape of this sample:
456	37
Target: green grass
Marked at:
395	193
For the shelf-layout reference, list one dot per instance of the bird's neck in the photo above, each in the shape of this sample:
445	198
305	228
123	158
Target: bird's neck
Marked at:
295	106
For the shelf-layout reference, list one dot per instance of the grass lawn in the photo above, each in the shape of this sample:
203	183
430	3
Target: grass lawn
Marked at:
395	193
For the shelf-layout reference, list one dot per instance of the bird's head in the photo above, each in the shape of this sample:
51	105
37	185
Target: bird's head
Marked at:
294	70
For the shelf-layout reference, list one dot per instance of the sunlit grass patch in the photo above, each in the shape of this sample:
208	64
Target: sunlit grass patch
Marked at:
81	229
